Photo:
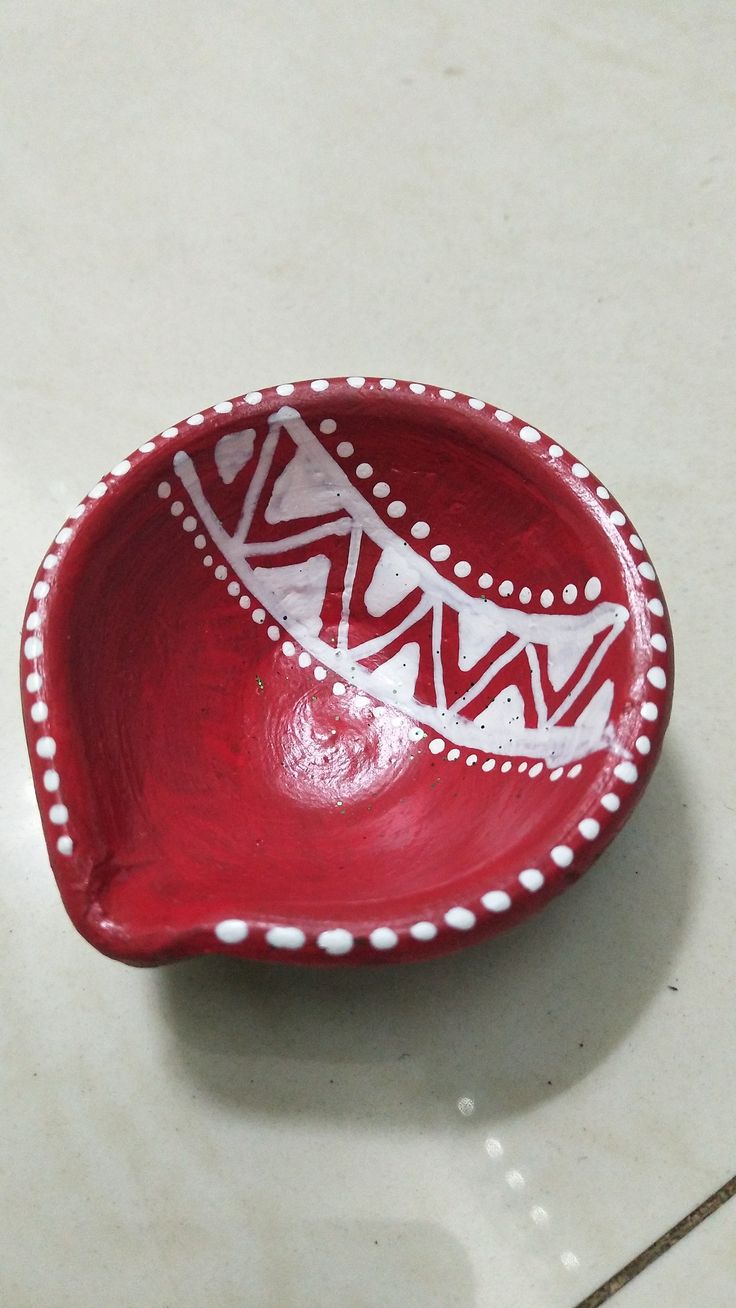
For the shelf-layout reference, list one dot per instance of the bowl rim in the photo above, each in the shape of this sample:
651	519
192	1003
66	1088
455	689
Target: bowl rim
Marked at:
451	923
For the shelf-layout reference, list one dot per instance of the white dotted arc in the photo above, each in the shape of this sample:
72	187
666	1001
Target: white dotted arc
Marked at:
57	812
441	553
337	941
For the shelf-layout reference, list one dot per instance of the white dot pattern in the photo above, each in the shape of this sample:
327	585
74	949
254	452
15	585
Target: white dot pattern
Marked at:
384	938
423	931
285	937
460	919
589	828
231	931
531	879
496	901
337	940
439	553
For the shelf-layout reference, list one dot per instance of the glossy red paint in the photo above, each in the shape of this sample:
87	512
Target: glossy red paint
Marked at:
221	764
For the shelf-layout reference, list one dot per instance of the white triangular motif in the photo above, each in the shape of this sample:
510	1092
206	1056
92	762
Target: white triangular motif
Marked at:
395	680
299	591
232	453
564	655
315	486
597	712
478	631
393	579
302	491
506	713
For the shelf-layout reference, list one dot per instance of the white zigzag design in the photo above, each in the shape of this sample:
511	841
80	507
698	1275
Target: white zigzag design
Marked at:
313	484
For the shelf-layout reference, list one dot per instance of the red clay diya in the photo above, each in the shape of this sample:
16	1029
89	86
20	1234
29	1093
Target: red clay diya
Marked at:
343	671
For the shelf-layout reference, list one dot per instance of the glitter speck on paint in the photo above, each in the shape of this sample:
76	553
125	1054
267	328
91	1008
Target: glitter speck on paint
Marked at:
259	684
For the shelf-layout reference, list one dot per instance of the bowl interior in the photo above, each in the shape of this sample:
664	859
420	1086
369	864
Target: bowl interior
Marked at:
338	661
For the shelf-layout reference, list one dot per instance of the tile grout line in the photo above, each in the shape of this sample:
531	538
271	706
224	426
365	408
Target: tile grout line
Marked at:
659	1246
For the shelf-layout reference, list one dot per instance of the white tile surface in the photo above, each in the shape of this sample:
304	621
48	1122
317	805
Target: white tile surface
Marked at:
529	203
701	1269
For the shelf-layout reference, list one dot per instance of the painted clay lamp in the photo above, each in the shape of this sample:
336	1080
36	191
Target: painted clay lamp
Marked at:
342	672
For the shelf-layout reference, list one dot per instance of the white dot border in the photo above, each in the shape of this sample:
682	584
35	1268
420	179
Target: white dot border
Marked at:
337	941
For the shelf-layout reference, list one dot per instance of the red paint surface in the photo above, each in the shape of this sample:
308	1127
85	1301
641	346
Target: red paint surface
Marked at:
208	776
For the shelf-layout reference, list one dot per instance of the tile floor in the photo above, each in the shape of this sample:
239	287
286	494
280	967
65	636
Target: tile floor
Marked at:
529	203
701	1269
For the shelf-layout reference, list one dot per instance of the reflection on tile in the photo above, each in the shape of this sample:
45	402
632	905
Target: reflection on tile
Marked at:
539	1215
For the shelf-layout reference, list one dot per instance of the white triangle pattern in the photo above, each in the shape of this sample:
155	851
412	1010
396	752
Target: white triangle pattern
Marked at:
477	633
564	656
300	590
302	491
395	680
232	453
313	485
391	582
505	713
596	713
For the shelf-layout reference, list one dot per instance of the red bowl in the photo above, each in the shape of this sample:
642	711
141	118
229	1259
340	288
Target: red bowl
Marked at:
343	671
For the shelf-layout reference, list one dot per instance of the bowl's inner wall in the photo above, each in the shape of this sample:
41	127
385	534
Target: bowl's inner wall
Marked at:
219	769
